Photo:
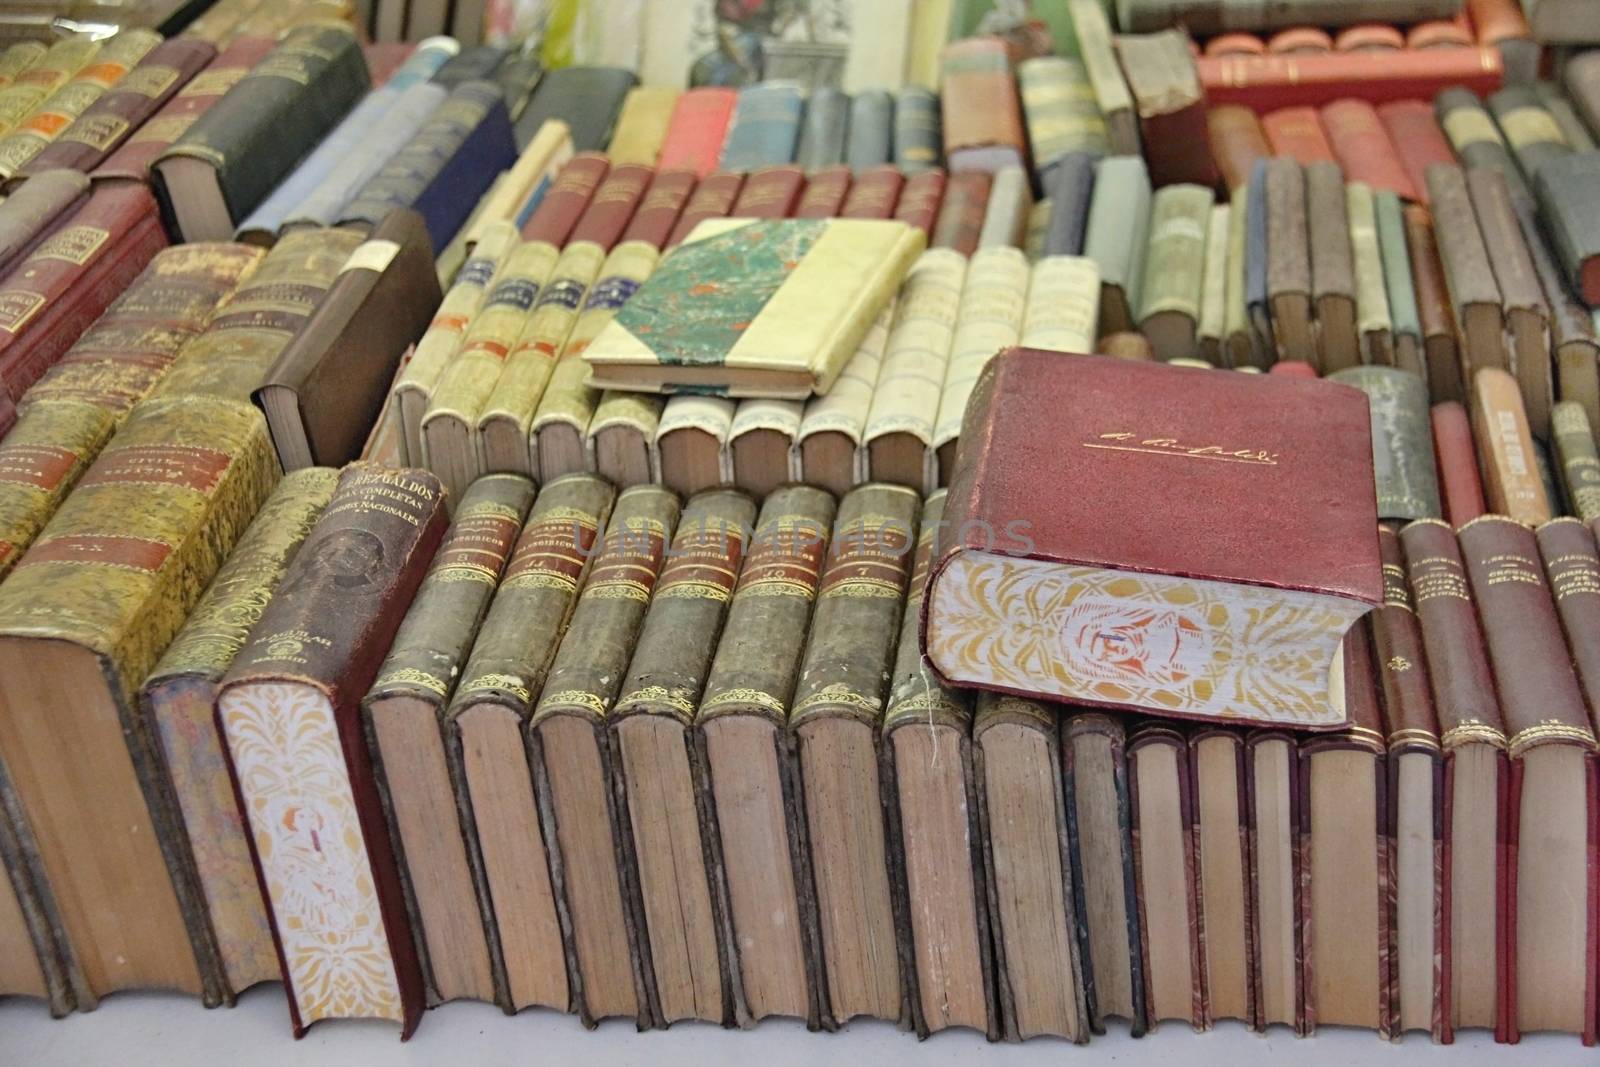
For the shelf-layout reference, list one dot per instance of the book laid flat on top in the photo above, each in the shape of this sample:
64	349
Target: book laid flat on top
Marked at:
770	308
1219	589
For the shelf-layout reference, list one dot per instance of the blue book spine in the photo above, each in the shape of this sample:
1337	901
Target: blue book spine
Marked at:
448	200
765	128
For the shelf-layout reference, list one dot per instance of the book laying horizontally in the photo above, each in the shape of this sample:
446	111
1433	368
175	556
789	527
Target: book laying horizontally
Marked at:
771	308
1156	538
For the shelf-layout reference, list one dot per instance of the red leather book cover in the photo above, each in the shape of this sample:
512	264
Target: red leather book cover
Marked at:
695	133
564	203
713	198
1297	132
132	160
874	194
770	193
966	199
109	121
71	277
1314	80
1362	147
825	194
607	216
1236	44
1371	37
921	199
1460	488
659	210
1417	140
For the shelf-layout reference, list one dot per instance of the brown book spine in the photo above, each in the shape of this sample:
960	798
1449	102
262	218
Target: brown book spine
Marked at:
1468	271
1297	132
1460	490
1237	141
966	200
825	194
1522	299
1333	272
875	193
607	215
1289	260
713	198
563	205
1512	482
769	193
921	199
658	211
1572	566
1433	307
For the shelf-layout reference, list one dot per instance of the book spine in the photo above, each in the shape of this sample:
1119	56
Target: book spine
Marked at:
1212	327
1288	250
844	408
1062	113
872	126
1580	463
1435	319
641	124
1361	145
769	193
1512	483
53	70
1205	17
825	194
1460	490
1521	294
1475	137
713	198
822	132
988	320
921	199
918	131
960	220
697	129
1175	258
1063	305
1398	285
1572	567
1467	270
1402	451
1117	235
764	129
1312	80
1417	140
552	222
1070	190
1237	140
915	693
18	58
979	99
1373	320
1530	131
1566	205
1093	24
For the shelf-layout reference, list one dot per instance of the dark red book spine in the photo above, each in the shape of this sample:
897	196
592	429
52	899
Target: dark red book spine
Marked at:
609	212
1417	139
697	129
659	210
825	194
1460	489
1313	80
770	193
874	194
563	205
921	199
713	198
961	215
1297	132
1361	145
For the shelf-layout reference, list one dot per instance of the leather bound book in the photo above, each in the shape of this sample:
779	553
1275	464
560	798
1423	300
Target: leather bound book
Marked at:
1417	140
587	99
476	63
310	659
67	280
178	702
1442	33
1530	130
1477	141
1297	132
1096	48
939	848
1550	952
1373	321
642	125
518	76
575	766
765	127
1575	452
1314	80
983	127
1100	846
1468	271
444	168
872	126
124	108
1070	191
485	731
1237	141
1460	489
1566	194
961	212
918	131
758	853
1362	146
1511	479
19	58
769	193
669	833
559	210
1203	17
518	194
712	199
1572	328
1289	262
1527	316
696	130
1435	317
1116	238
1062	114
54	69
1035	409
1402	441
1372	37
1171	107
1409	353
834	726
28	215
1347	877
218	170
921	200
823	130
72	411
825	193
1174	269
131	161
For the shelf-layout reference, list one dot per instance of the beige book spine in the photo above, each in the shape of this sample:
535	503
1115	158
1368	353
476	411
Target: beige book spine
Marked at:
1214	289
844	408
1175	261
550	148
1105	74
1005	220
711	415
1038	228
1372	297
1063	309
993	299
918	350
1236	312
642	125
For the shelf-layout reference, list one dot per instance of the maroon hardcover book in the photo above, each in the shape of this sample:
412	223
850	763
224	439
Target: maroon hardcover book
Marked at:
606	218
825	193
769	193
875	193
921	199
558	213
713	198
961	215
658	211
1063	579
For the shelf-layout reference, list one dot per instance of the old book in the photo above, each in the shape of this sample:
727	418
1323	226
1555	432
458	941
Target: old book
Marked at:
834	725
1273	804
1476	139
994	295
1240	339
1362	146
1460	488
1174	269
1346	883
1257	256
552	214
1580	77
131	161
1402	441
1573	440
368	553
1289	287
1237	141
1469	274
961	213
327	387
922	199
668	833
938	848
699	122
516	195
74	409
1311	80
1219	771
1472	736
642	125
1063	301
485	728
1171	107
1527	315
18	58
1554	99
1297	132
1144	16
712	199
29	215
178	702
1530	130
477	62
918	131
765	128
826	124
587	99
33	963
445	166
1062	113
770	192
124	108
1095	785
1409	354
1560	21
64	59
1551	816
1573	340
505	429
1374	325
983	126
1069	191
1095	47
1511	481
1435	317
222	166
1565	188
689	449
1502	25
748	786
1117	237
1005	215
1416	138
843	271
825	193
1036	394
574	765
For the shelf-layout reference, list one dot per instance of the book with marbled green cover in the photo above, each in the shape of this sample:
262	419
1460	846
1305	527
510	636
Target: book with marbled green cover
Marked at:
769	308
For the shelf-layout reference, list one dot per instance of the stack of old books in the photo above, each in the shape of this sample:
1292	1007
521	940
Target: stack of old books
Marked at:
976	515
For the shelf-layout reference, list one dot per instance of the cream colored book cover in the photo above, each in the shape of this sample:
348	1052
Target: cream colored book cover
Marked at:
1063	305
993	299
